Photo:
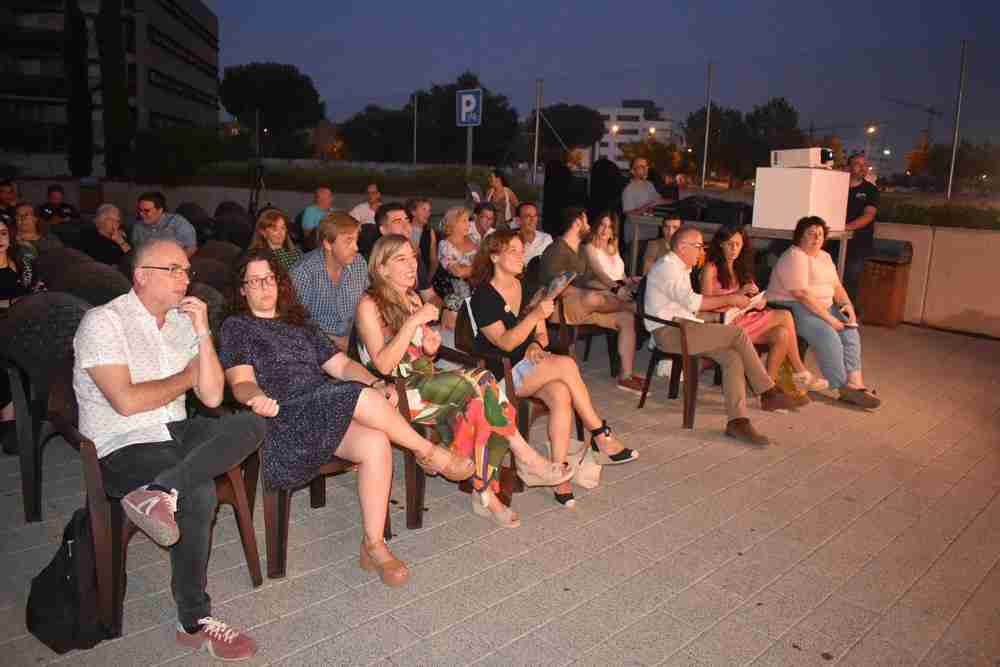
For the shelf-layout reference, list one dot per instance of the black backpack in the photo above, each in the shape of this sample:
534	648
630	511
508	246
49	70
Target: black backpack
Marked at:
62	605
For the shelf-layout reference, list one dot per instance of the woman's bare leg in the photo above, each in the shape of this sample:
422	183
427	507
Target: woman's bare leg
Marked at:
777	348
788	322
370	449
375	412
626	342
557	399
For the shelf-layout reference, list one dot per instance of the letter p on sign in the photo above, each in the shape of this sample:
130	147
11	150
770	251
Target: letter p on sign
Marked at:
469	107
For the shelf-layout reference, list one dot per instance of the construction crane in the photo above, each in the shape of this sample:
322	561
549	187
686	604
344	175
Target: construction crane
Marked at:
929	110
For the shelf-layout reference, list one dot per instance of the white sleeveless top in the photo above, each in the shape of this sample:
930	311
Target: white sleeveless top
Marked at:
613	265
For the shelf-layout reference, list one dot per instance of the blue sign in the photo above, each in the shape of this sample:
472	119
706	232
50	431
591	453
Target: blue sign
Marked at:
469	107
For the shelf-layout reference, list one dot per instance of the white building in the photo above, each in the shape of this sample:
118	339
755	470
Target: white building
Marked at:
630	123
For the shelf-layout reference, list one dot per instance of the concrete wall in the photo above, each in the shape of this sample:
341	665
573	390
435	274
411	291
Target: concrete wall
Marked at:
964	274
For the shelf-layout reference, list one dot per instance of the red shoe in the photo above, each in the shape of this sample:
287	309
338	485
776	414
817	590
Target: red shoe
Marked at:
152	511
631	384
219	640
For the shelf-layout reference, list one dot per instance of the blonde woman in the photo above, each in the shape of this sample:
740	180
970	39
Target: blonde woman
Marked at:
601	251
466	406
455	254
272	232
502	197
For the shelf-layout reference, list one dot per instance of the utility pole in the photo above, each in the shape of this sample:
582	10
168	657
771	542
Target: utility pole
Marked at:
538	115
415	98
958	116
708	122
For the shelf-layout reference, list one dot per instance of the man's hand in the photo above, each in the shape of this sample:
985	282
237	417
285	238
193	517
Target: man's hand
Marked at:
431	340
264	406
196	309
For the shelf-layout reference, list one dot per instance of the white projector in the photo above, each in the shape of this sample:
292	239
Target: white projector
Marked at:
803	157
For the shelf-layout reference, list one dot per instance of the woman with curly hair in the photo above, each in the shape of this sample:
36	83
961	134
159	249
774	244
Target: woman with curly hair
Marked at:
509	327
466	406
319	402
729	269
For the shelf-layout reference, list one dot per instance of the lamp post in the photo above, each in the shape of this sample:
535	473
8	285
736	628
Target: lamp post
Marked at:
614	144
869	133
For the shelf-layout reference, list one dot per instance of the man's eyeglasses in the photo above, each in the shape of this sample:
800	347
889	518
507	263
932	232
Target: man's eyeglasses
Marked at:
269	280
175	271
697	244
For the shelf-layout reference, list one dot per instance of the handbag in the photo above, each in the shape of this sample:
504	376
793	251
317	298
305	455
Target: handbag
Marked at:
441	282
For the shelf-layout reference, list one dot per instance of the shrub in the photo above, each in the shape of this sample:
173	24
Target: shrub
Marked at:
171	156
941	215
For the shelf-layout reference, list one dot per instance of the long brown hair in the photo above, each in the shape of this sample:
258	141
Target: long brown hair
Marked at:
483	268
288	307
742	265
267	219
394	309
41	226
595	228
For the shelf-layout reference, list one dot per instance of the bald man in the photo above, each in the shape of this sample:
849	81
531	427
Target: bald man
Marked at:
136	358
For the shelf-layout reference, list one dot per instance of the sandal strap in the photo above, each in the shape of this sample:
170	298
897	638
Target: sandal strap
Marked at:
603	430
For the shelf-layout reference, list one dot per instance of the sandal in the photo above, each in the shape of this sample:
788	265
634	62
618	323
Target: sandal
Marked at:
545	474
624	456
505	518
392	572
567	500
447	463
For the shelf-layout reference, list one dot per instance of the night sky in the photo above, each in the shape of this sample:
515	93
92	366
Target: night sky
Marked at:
834	61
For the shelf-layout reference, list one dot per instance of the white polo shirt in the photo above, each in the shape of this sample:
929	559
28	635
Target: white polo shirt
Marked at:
123	332
669	293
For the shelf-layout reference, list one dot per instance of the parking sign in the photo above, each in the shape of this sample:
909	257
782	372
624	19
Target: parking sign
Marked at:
469	107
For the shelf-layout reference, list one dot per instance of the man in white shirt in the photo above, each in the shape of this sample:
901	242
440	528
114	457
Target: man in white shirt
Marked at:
365	211
135	359
669	296
483	224
535	242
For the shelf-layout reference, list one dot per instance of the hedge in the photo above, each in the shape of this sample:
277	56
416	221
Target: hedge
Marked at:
938	215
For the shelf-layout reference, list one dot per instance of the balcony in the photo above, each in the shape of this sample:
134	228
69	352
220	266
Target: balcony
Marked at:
34	41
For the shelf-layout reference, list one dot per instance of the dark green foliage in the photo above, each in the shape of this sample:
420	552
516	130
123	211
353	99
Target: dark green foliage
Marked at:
287	99
172	156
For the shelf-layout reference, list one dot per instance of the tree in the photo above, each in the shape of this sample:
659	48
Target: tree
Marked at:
579	126
79	106
773	126
729	147
118	127
664	158
286	98
917	161
383	134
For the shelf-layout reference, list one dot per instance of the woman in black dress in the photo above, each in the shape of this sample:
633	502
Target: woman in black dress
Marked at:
280	365
553	378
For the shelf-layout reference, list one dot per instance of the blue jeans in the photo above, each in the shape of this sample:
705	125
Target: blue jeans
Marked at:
838	352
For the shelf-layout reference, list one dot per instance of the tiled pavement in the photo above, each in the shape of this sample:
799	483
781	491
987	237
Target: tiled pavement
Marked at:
857	539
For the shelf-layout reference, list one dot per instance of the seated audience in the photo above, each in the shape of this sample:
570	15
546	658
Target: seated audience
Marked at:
392	219
423	234
455	253
669	296
660	246
56	209
17	275
508	327
330	280
32	233
313	214
155	223
728	270
318	403
136	358
272	232
535	241
466	406
365	211
105	241
504	200
589	300
484	222
805	279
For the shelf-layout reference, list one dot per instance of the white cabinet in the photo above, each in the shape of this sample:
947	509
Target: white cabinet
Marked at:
783	196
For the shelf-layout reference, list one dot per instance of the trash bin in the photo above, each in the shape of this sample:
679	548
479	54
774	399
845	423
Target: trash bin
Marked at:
886	274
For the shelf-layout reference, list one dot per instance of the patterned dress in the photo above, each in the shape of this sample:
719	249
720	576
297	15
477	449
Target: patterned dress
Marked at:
466	407
315	409
449	256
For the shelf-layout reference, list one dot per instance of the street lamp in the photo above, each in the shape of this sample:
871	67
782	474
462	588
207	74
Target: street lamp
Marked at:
887	151
614	129
871	129
652	131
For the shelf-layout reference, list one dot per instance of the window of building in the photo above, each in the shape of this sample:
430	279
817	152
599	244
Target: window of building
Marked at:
604	144
181	89
190	22
605	116
181	53
629	118
629	131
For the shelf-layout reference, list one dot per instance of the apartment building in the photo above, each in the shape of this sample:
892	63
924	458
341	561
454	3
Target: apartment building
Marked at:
171	52
634	120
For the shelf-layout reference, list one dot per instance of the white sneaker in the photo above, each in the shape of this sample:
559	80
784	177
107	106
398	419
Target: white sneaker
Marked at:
808	382
664	367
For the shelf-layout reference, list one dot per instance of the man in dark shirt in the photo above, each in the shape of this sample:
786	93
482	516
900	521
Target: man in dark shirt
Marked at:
8	201
392	218
588	300
56	209
862	205
105	241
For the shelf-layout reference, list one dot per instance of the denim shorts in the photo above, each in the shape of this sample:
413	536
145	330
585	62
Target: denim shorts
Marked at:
521	370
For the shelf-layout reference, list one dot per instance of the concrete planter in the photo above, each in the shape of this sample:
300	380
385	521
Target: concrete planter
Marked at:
963	275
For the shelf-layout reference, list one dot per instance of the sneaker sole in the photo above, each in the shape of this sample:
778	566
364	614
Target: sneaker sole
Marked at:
162	534
206	647
637	392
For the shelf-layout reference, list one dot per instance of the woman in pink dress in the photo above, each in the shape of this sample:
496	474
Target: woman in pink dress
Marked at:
728	269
